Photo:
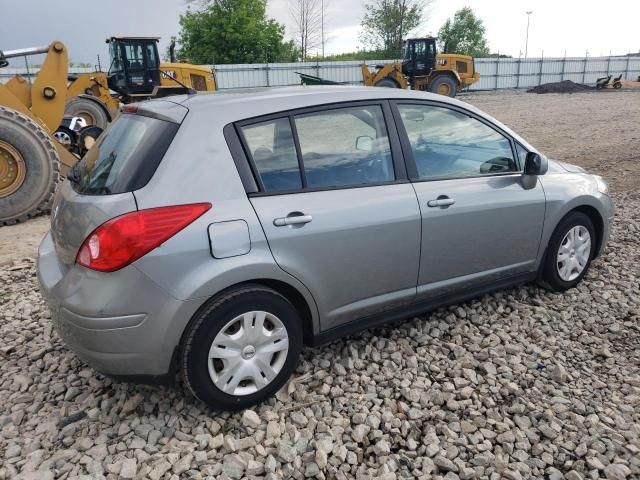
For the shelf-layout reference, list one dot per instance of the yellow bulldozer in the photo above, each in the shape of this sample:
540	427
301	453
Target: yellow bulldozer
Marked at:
423	68
47	123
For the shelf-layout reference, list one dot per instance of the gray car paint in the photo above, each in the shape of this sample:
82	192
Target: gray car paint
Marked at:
99	314
350	238
492	231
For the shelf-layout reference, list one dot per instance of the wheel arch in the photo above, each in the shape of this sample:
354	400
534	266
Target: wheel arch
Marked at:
288	291
597	220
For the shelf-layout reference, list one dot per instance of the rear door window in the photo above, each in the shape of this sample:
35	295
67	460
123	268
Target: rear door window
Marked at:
344	147
273	151
125	157
333	148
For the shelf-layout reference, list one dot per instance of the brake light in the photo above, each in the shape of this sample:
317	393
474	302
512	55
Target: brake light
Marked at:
124	239
129	108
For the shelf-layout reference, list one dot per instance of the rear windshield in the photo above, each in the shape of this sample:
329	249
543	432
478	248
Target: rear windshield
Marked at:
125	157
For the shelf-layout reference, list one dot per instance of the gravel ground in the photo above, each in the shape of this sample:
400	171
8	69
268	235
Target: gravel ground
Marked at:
519	384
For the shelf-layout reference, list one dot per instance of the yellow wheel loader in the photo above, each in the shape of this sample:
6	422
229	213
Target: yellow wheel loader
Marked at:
31	161
135	73
43	122
424	69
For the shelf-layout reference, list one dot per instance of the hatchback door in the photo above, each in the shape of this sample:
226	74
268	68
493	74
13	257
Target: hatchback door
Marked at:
479	223
100	186
335	209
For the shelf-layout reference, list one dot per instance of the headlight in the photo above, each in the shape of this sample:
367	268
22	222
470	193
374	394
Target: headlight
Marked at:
603	186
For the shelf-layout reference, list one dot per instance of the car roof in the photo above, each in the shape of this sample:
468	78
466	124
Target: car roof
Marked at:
235	104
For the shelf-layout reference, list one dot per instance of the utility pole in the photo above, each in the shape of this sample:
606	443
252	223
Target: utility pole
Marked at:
526	42
322	29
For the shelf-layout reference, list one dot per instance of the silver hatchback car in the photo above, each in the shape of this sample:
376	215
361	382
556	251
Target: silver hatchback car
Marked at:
209	237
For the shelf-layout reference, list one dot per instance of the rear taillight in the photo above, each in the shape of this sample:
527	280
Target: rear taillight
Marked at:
124	239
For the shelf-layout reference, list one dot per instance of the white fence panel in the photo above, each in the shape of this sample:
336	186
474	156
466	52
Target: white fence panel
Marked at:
495	73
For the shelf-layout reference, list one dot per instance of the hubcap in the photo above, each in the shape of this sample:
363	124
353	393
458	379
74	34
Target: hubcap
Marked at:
248	353
573	253
87	117
63	137
12	169
443	89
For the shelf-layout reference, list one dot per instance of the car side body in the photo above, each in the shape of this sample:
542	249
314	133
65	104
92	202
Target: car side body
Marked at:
373	253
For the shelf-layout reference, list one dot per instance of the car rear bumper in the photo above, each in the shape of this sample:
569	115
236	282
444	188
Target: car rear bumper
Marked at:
120	323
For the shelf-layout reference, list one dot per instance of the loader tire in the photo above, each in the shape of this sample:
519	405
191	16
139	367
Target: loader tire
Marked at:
89	110
444	85
29	167
387	83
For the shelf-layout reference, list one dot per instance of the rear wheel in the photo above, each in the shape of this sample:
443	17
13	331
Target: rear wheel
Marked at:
242	348
88	110
569	253
443	85
387	83
29	166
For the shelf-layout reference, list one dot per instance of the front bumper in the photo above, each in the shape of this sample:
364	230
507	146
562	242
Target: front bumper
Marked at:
609	210
120	323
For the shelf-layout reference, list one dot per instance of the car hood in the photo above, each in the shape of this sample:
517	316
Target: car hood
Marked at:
569	167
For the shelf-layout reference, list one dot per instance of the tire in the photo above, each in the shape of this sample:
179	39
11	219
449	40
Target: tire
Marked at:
88	109
617	85
36	151
552	277
443	82
66	137
387	83
214	322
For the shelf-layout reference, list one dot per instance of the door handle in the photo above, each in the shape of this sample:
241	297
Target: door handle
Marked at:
441	201
292	220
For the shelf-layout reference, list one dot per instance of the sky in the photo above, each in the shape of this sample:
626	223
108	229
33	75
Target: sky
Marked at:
556	27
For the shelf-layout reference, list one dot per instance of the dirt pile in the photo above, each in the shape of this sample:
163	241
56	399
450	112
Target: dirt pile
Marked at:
566	86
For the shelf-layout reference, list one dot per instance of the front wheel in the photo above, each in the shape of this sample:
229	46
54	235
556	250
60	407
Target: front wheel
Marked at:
570	251
242	348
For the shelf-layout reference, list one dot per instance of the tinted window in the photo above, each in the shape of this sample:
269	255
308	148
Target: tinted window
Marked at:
347	146
125	156
273	151
449	144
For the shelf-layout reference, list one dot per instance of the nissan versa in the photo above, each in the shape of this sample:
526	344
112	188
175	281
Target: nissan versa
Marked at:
211	236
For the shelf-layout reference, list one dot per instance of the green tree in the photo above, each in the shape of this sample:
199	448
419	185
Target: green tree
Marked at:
465	34
233	31
386	23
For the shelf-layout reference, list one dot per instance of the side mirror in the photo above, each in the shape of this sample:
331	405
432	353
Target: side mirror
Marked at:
535	164
364	143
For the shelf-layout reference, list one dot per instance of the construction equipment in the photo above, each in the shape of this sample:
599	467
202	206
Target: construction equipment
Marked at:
312	80
30	159
42	124
606	82
135	73
424	69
